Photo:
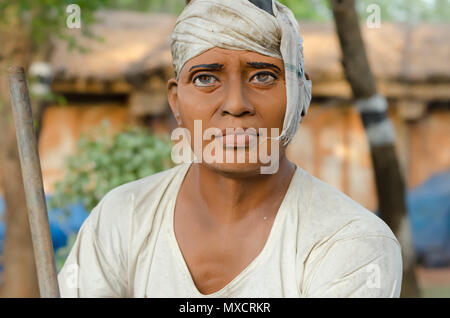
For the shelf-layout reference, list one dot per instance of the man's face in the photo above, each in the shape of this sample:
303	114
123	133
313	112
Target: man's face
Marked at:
231	89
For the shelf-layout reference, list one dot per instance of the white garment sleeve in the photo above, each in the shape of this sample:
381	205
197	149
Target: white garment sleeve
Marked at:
95	265
369	266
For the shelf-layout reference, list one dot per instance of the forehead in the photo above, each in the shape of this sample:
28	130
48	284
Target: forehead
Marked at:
226	57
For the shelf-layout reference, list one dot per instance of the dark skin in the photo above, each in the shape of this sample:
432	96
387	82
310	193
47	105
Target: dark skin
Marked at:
224	211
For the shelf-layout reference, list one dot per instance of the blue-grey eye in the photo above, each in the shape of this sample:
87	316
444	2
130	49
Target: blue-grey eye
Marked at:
263	77
204	80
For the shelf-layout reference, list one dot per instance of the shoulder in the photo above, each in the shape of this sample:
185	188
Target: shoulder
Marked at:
329	215
152	185
342	243
145	184
116	208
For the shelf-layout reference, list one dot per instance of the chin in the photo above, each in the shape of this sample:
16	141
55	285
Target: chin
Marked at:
235	170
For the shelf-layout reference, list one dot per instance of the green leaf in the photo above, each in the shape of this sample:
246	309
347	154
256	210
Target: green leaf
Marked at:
103	162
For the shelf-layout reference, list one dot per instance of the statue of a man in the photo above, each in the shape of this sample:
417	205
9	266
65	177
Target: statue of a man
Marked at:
239	219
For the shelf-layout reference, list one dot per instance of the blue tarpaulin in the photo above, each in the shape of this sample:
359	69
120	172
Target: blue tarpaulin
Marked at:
429	214
61	224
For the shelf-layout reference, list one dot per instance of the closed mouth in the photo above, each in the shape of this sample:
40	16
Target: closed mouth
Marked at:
238	137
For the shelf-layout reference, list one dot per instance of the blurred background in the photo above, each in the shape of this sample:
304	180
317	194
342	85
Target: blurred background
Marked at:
97	75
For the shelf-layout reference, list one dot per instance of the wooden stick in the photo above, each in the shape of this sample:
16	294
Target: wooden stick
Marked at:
32	180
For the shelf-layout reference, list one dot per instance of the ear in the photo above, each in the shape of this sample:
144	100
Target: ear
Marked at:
307	76
172	97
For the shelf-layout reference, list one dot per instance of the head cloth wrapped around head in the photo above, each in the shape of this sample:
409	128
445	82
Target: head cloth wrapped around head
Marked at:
263	26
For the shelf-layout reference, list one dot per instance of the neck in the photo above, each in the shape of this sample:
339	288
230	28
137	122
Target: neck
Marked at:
229	199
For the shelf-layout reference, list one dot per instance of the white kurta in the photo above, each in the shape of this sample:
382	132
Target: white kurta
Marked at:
322	244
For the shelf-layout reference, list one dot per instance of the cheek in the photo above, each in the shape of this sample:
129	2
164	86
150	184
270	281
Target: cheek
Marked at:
271	105
190	104
195	105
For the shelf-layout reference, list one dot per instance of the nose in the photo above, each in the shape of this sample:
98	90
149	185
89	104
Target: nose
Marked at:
236	103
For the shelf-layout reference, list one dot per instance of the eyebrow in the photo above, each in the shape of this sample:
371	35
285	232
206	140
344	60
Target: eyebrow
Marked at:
263	65
218	67
212	67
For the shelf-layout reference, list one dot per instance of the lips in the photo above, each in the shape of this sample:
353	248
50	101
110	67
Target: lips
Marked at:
238	137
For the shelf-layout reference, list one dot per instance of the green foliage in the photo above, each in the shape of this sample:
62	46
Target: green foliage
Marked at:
105	162
314	10
166	6
432	11
42	19
45	18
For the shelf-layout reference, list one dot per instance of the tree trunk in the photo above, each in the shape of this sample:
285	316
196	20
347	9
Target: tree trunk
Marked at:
373	109
19	277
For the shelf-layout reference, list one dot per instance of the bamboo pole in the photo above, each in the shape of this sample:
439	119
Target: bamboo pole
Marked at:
33	186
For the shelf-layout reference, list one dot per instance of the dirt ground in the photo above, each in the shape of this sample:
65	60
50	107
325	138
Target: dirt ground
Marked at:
434	282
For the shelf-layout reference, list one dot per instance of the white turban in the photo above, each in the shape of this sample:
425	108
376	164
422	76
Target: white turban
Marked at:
241	25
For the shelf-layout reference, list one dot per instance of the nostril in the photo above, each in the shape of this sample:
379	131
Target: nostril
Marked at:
235	113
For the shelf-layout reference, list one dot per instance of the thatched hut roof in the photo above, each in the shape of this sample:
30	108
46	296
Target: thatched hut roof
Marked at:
136	44
396	52
125	45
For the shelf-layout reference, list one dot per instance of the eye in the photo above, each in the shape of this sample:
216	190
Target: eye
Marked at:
263	78
204	80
